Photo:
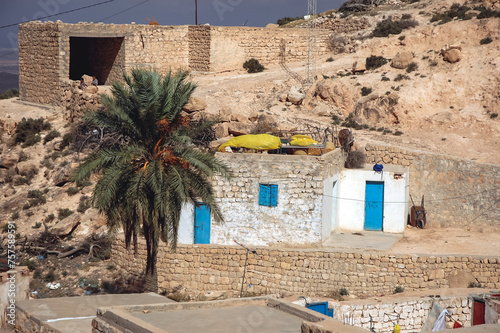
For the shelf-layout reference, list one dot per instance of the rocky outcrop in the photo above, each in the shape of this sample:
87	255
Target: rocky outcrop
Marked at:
195	104
452	55
295	95
336	94
66	226
375	109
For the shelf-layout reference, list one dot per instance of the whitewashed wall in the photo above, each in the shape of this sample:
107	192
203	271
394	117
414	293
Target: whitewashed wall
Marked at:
351	196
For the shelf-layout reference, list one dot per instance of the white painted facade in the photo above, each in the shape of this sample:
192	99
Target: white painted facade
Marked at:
311	205
349	214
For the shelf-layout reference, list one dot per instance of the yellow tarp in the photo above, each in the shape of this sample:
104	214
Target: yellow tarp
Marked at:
302	140
253	141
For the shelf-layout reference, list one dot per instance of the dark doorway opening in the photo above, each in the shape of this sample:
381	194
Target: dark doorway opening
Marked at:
96	56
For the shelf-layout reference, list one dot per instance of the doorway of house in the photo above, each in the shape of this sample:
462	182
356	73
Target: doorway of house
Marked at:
374	206
201	223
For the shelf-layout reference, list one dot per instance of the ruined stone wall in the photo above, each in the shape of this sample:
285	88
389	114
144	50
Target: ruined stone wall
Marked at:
199	48
203	268
232	46
458	192
412	313
297	217
38	63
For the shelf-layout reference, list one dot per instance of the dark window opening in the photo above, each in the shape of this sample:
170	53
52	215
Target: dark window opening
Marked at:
99	57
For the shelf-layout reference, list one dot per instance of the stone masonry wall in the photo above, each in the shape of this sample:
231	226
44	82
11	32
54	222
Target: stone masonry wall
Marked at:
412	313
199	48
458	192
232	46
297	217
203	268
38	63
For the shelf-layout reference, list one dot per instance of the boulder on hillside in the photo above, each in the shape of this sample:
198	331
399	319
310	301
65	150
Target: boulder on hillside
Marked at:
63	175
221	130
26	167
376	109
66	226
239	118
336	94
195	104
358	67
452	55
402	60
236	128
295	96
9	126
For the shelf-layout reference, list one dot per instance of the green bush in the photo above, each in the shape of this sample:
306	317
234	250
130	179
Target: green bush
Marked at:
72	190
456	11
401	77
67	140
398	133
493	115
373	62
487	13
253	66
49	218
31	264
28	130
64	213
329	59
388	27
51	136
9	94
286	20
22	156
83	205
21	181
14	216
385	78
413	66
399	289
486	40
365	91
36	198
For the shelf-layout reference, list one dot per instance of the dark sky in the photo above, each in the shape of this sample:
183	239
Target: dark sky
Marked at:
166	12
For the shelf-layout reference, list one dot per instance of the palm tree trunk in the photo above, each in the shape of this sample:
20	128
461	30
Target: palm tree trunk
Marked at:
151	281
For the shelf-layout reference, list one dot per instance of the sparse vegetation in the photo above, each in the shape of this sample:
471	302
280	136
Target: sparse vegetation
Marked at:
64	213
373	62
22	156
399	289
474	284
9	94
398	133
14	216
49	218
486	12
67	140
413	66
493	115
485	40
336	119
365	91
456	11
253	66
401	38
385	78
401	77
389	27
51	136
30	263
329	59
36	198
355	160
84	204
27	132
286	20
72	190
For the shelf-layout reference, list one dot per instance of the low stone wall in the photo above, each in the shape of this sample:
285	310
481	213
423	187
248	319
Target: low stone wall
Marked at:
412	313
21	284
76	101
457	192
203	268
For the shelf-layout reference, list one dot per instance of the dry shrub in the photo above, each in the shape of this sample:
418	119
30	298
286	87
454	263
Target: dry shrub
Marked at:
355	160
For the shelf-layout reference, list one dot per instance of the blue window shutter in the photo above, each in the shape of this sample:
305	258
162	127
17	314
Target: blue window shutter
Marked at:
274	195
264	195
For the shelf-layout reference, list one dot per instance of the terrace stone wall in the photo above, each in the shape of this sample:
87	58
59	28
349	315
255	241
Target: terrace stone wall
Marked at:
458	192
203	268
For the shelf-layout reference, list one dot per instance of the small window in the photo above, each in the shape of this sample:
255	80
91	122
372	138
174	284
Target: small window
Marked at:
268	195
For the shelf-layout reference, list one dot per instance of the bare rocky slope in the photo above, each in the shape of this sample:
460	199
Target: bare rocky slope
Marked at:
430	103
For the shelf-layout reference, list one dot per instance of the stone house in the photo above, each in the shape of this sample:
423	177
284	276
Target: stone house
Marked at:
290	199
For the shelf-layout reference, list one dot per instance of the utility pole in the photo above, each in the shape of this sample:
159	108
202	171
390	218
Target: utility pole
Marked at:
196	12
246	261
312	11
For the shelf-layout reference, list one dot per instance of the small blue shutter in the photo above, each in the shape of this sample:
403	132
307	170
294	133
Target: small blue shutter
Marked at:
274	196
264	195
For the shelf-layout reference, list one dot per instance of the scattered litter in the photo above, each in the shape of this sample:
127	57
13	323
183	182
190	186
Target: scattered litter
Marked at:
53	285
39	257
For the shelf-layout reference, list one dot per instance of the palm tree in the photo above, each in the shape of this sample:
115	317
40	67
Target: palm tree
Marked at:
145	181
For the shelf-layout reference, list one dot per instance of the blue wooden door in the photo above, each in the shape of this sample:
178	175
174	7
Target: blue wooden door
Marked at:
201	224
374	205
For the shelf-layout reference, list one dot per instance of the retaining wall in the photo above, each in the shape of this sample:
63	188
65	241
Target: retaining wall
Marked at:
203	268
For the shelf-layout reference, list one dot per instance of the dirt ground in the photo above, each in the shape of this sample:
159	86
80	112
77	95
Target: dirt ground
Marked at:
480	241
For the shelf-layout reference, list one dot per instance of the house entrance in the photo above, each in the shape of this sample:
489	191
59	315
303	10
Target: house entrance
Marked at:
99	57
374	206
201	224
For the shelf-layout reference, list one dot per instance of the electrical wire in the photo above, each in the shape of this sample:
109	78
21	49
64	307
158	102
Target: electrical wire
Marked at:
123	11
408	202
61	13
